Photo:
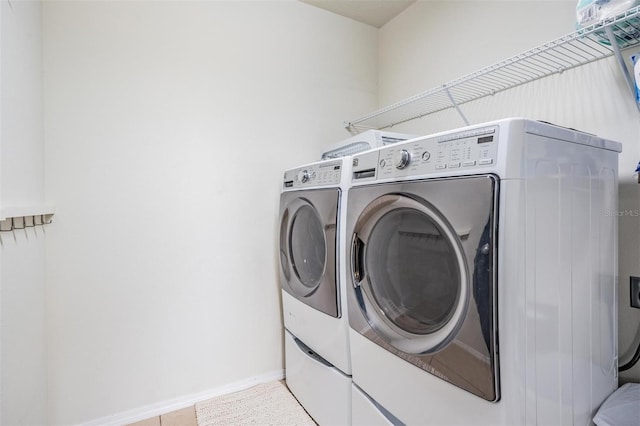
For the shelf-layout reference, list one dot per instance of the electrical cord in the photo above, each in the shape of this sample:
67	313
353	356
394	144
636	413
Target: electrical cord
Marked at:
634	360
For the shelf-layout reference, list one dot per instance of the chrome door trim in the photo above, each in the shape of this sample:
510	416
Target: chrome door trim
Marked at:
376	317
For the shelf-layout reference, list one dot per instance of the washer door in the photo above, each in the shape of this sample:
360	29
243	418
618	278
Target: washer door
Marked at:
308	247
409	265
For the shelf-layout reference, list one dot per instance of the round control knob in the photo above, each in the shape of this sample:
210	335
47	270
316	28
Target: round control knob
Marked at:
303	176
426	155
401	159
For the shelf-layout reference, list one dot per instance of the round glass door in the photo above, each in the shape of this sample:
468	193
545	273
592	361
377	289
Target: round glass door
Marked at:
307	246
412	272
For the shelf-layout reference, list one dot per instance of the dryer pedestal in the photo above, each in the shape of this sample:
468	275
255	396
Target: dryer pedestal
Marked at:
366	412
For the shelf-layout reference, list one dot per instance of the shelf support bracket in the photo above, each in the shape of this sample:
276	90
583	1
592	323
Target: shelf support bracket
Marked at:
621	62
455	105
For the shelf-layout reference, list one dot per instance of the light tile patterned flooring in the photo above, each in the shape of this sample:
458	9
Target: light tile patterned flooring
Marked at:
184	417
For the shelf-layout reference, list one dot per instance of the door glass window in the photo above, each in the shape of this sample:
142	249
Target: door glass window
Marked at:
307	246
413	271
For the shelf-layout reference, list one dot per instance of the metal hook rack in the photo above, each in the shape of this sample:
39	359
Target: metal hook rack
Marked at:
584	46
18	218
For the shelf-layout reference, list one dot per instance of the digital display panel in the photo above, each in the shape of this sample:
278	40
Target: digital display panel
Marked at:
485	139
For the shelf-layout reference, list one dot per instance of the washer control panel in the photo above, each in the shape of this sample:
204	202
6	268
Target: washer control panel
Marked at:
319	174
454	152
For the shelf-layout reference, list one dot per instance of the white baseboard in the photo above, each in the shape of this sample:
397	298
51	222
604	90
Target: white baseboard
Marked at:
167	406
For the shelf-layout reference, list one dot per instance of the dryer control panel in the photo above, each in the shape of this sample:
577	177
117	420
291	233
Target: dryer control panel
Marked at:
457	152
326	173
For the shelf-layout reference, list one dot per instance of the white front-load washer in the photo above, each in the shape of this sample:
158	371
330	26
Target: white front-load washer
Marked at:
483	277
317	357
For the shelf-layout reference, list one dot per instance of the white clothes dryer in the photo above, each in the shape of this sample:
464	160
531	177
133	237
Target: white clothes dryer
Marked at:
483	277
317	357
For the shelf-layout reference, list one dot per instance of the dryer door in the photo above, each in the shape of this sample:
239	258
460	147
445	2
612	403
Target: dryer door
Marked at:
412	271
308	247
423	268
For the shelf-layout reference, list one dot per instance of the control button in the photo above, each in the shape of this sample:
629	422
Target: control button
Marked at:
468	163
454	165
383	163
401	159
303	176
441	166
426	155
485	161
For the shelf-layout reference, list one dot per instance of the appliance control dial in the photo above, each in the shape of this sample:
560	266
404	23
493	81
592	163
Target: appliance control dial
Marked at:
401	159
303	176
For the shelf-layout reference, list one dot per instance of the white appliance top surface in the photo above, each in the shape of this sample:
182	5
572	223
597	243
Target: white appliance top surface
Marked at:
480	148
542	128
569	135
365	141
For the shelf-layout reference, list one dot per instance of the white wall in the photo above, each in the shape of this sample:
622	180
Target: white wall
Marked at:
433	42
22	253
168	126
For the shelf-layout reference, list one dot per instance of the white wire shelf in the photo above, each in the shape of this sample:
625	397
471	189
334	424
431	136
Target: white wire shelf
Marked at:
573	50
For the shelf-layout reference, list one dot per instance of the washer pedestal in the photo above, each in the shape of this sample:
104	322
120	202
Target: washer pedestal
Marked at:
322	389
